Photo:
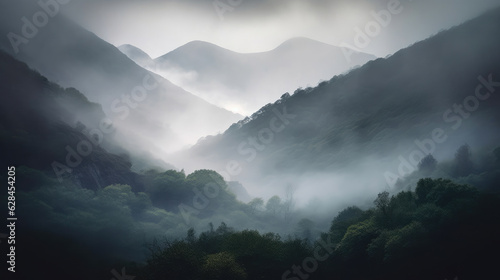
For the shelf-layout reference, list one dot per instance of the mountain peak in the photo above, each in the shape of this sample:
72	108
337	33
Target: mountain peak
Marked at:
301	42
194	47
133	52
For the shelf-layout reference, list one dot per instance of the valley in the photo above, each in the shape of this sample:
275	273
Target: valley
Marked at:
288	163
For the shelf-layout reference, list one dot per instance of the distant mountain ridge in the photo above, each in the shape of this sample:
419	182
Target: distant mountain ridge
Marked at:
146	108
378	112
244	82
137	55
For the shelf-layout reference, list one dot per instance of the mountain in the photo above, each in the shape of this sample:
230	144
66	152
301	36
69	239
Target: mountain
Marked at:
42	132
75	196
151	114
137	55
244	82
380	119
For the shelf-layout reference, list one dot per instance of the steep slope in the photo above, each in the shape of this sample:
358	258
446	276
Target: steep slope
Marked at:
384	113
47	128
137	55
145	108
244	82
79	203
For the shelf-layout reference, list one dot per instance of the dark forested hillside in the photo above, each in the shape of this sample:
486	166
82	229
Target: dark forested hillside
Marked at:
143	106
436	232
390	171
76	197
46	128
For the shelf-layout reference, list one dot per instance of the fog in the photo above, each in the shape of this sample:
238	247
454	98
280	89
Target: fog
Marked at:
199	140
256	26
243	83
136	100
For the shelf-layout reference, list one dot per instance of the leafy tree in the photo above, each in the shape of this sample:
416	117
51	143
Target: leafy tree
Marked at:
223	229
167	189
140	203
428	164
383	215
259	254
344	219
404	242
255	203
446	192
351	213
376	248
211	241
382	202
429	214
403	206
251	242
203	177
273	205
356	240
117	197
174	260
424	186
223	266
441	191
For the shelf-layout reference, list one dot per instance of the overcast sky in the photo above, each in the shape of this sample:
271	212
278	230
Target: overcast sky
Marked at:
159	26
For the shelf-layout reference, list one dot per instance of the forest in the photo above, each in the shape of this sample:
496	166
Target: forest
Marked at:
425	228
385	170
437	225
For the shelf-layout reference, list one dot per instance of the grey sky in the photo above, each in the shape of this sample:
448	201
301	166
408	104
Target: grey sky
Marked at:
259	25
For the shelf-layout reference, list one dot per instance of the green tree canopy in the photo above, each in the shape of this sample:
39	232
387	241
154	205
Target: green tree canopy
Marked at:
223	266
273	205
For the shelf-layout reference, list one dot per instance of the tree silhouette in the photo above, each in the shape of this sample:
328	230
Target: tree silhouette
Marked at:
273	205
382	202
463	162
427	164
223	266
255	203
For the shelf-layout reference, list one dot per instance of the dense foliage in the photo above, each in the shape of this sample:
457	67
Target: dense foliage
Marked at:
439	231
98	217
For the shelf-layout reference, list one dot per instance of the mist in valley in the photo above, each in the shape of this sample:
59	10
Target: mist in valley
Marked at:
304	155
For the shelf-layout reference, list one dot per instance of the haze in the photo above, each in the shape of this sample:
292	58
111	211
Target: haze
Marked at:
242	139
158	27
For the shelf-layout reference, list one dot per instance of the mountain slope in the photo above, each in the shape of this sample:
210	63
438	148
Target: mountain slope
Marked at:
373	117
148	110
42	128
137	55
244	82
81	204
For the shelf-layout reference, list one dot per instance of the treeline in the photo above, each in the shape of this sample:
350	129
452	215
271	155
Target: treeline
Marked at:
478	167
222	253
94	230
442	230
